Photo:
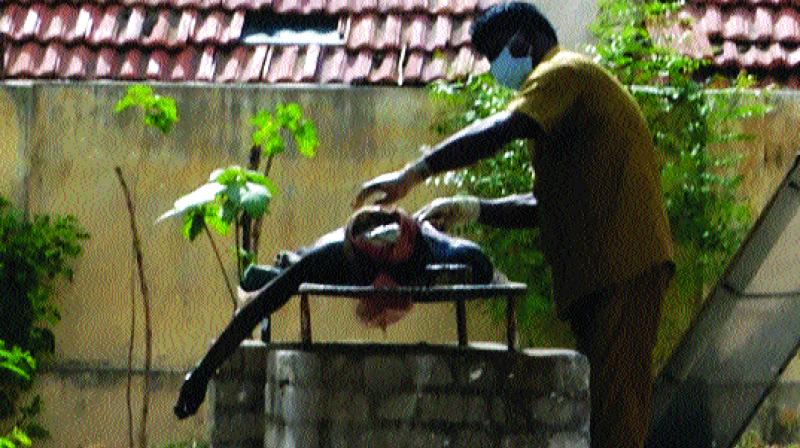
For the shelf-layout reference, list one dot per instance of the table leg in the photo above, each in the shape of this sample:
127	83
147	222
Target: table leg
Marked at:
305	320
511	323
266	330
461	322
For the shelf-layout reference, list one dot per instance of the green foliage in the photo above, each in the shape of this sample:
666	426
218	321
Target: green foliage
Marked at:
16	374
690	127
17	369
15	439
287	117
160	112
235	193
34	254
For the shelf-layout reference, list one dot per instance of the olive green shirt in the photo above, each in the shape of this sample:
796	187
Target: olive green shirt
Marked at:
601	211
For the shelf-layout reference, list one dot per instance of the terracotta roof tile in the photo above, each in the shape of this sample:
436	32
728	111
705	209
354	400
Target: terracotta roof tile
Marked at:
757	35
415	31
406	42
107	64
157	66
78	65
58	24
184	67
384	68
131	68
104	26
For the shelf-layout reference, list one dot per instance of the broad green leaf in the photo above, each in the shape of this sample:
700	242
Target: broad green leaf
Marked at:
159	111
136	95
229	175
306	138
263	133
274	145
254	199
258	178
228	211
193	224
213	218
15	370
233	196
261	119
288	115
37	431
20	437
203	195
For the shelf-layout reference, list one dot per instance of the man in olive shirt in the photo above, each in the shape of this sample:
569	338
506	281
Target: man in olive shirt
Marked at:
596	199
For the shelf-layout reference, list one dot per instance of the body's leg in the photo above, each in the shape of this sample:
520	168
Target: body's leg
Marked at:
618	337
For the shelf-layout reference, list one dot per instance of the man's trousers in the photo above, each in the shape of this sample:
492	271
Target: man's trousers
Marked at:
616	329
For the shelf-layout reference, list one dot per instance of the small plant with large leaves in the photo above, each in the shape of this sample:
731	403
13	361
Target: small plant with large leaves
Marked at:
239	198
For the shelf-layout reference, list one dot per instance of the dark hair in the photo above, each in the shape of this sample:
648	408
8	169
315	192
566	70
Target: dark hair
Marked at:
503	20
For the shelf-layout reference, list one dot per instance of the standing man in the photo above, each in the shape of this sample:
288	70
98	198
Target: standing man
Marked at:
596	199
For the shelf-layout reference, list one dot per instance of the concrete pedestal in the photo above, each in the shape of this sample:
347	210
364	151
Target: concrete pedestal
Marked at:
353	395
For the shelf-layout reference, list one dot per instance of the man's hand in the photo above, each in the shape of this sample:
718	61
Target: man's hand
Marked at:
444	213
192	394
394	185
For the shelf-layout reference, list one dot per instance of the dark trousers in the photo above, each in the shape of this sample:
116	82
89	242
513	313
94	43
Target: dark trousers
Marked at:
616	329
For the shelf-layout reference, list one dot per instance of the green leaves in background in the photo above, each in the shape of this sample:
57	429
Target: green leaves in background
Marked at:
17	367
160	112
289	118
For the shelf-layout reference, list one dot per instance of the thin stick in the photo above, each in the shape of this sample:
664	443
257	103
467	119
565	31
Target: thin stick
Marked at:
238	253
247	222
130	351
257	225
221	267
148	334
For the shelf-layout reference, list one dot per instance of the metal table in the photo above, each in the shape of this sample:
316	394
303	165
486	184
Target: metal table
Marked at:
458	293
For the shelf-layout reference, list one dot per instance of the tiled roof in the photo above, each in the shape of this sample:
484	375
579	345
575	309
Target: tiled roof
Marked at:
389	42
759	36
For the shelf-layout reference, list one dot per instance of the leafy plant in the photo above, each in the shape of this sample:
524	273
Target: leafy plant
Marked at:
159	111
691	128
34	254
240	197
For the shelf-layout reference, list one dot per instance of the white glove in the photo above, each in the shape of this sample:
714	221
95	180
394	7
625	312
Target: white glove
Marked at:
444	213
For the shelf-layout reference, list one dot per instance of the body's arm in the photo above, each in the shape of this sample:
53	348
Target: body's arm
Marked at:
510	212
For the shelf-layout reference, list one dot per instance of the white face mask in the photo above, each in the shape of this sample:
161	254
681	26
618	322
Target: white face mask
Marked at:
510	71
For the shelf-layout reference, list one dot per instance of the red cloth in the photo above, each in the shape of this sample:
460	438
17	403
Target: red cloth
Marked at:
382	311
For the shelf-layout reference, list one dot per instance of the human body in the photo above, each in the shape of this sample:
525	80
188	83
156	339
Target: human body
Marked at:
339	258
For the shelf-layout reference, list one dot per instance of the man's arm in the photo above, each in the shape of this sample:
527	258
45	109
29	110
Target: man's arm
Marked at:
510	212
479	140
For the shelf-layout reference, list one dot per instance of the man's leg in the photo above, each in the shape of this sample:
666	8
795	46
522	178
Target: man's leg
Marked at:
618	335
